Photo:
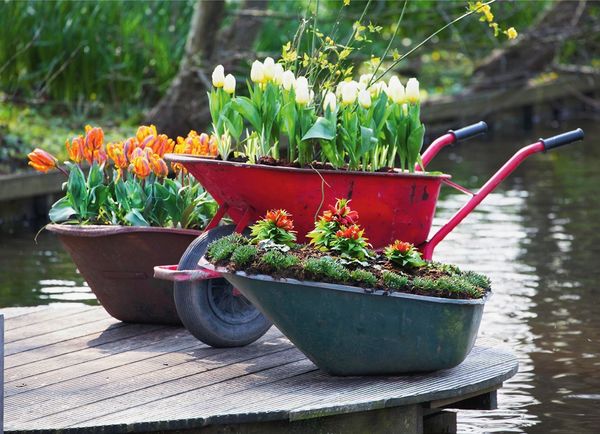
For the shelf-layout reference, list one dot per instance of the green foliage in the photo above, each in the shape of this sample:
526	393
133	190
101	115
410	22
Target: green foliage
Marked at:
326	267
243	255
363	278
279	261
350	244
477	280
276	228
404	254
221	249
453	286
133	202
394	281
109	51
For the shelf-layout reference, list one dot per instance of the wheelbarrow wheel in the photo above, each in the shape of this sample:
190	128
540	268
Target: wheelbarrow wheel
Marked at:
212	310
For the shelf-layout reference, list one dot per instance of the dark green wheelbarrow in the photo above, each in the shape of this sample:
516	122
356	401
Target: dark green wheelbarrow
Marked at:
346	331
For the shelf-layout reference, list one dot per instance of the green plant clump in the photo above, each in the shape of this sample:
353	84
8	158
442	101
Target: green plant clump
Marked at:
394	281
223	248
276	260
363	277
243	255
326	267
476	279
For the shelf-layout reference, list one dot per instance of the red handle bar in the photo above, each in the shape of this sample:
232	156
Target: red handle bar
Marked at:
540	146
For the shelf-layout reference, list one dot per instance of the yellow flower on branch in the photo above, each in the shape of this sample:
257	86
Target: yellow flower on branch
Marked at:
511	33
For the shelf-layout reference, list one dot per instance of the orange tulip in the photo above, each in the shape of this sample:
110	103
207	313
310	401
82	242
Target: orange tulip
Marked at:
41	160
116	153
158	166
145	131
281	218
140	167
75	149
213	151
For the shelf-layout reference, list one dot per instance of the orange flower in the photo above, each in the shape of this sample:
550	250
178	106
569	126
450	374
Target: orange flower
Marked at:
92	149
212	146
129	145
160	144
117	154
158	166
75	149
197	144
140	167
354	232
401	246
281	218
341	213
41	160
145	131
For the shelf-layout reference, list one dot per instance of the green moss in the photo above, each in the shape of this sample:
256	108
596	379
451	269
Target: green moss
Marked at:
394	281
276	260
326	267
425	284
243	255
222	249
363	277
454	286
476	279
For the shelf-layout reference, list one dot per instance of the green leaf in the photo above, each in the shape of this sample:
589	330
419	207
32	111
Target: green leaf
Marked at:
135	218
415	142
244	106
77	191
367	140
61	210
322	129
95	176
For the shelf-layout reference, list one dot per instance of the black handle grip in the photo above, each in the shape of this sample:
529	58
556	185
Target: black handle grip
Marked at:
562	139
469	131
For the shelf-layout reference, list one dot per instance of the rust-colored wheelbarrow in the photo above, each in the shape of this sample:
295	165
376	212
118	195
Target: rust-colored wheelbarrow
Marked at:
391	206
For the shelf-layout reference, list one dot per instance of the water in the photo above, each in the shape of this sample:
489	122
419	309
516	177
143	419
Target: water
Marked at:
537	236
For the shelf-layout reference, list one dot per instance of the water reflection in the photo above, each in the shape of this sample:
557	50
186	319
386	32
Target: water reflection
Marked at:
32	274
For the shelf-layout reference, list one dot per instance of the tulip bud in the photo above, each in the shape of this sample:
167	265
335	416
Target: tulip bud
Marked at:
229	84
349	92
412	91
218	76
329	101
287	80
257	73
302	91
364	99
395	90
269	68
277	73
377	88
365	79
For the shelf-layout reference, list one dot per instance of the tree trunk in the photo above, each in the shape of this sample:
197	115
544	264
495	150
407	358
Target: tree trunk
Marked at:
185	104
534	50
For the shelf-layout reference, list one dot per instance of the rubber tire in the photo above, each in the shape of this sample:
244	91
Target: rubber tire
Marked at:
194	307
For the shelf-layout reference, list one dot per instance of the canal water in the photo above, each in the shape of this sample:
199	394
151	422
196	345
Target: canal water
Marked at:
537	237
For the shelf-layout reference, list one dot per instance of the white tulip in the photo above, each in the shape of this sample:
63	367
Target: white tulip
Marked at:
257	73
277	73
288	80
412	91
218	76
349	92
229	84
377	88
365	79
364	99
302	91
329	101
395	90
269	68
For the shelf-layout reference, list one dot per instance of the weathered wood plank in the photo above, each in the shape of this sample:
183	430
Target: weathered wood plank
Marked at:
29	316
29	184
13	312
129	378
58	336
111	335
50	325
154	341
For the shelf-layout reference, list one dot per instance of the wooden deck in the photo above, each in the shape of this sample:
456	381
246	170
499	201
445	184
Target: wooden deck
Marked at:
76	369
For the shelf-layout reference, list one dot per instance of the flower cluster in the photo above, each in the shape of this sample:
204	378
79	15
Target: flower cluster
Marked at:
403	254
276	228
485	10
128	180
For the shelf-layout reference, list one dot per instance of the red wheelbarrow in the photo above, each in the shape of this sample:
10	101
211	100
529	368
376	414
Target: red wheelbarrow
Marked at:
396	205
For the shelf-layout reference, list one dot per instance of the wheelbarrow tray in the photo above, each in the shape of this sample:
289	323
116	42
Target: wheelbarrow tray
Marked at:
347	331
394	205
